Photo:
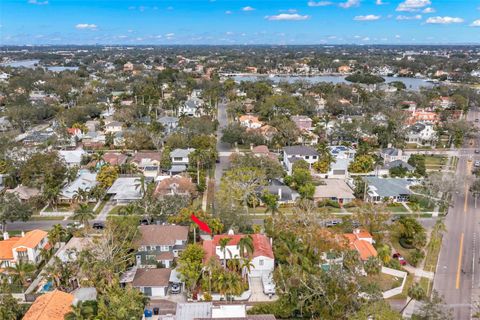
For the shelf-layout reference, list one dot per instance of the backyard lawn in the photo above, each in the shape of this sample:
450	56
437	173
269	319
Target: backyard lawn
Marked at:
384	281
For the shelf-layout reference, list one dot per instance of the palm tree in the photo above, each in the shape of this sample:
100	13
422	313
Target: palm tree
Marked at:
416	208
21	271
245	244
271	203
223	246
56	234
246	266
46	254
83	214
50	194
98	156
81	195
414	292
384	253
140	184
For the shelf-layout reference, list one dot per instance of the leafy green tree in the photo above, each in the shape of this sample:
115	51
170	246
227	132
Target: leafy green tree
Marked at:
372	265
307	191
107	176
190	266
415	292
84	310
43	169
245	246
12	209
121	303
22	271
434	308
166	161
379	310
10	309
271	202
362	164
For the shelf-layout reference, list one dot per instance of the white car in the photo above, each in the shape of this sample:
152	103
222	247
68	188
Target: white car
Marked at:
477	163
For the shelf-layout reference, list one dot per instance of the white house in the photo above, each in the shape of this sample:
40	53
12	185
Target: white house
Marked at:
25	248
192	108
392	154
250	122
113	127
126	190
422	134
72	157
262	257
295	153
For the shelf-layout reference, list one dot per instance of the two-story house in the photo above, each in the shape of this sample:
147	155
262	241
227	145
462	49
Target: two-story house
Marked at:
25	248
147	162
180	159
303	123
422	134
160	244
250	122
295	153
192	108
263	261
393	154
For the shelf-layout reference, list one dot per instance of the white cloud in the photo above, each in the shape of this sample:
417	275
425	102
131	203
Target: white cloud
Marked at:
415	17
413	5
169	35
349	4
287	17
319	3
228	12
370	17
379	2
475	23
248	8
397	36
444	20
429	10
84	26
366	39
39	3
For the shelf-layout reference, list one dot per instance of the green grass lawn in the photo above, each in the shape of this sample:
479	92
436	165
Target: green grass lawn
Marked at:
384	281
397	207
425	283
404	293
435	162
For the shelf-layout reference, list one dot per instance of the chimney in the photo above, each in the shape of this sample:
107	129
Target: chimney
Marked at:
6	236
279	193
23	233
389	145
230	232
251	146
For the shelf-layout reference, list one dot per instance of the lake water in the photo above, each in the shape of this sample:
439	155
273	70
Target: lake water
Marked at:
410	83
33	63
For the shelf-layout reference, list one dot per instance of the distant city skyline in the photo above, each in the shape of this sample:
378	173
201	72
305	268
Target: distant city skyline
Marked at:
228	22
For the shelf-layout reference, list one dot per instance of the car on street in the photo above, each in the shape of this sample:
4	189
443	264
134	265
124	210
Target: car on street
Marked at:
400	258
98	226
477	151
477	163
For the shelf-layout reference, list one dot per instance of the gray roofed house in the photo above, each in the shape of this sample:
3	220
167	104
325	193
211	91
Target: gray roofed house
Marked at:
72	157
334	189
195	310
85	181
295	153
169	123
180	159
126	189
392	154
284	192
398	163
394	189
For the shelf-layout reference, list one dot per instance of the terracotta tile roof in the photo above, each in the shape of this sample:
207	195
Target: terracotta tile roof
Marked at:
361	242
175	185
158	277
162	234
21	249
50	306
31	239
261	245
115	158
139	156
6	247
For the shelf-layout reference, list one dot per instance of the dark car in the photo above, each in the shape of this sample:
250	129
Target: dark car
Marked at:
400	258
98	226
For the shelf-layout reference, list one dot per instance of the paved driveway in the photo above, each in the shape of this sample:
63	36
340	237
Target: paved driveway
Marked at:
257	291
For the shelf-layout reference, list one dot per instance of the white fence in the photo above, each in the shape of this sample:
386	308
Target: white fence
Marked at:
396	273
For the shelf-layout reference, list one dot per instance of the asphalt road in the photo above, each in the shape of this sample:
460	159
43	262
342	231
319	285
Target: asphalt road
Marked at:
458	271
223	149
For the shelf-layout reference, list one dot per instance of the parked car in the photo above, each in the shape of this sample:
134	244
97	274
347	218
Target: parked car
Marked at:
400	258
395	218
175	288
332	223
477	163
98	226
75	225
477	151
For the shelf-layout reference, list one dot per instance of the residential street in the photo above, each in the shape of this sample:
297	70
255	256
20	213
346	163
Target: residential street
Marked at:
458	277
224	149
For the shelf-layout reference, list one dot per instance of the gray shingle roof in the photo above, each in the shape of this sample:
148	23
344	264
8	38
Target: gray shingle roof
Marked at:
300	150
389	187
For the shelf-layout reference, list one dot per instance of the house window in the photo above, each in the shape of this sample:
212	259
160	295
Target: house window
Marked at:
307	157
164	248
148	248
261	262
177	159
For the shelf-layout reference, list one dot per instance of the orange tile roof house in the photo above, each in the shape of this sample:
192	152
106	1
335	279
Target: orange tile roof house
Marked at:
263	260
25	248
361	241
50	306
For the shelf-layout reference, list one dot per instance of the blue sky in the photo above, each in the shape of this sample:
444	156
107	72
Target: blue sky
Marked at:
25	22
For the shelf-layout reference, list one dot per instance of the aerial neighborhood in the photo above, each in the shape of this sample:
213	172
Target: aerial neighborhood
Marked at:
234	182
